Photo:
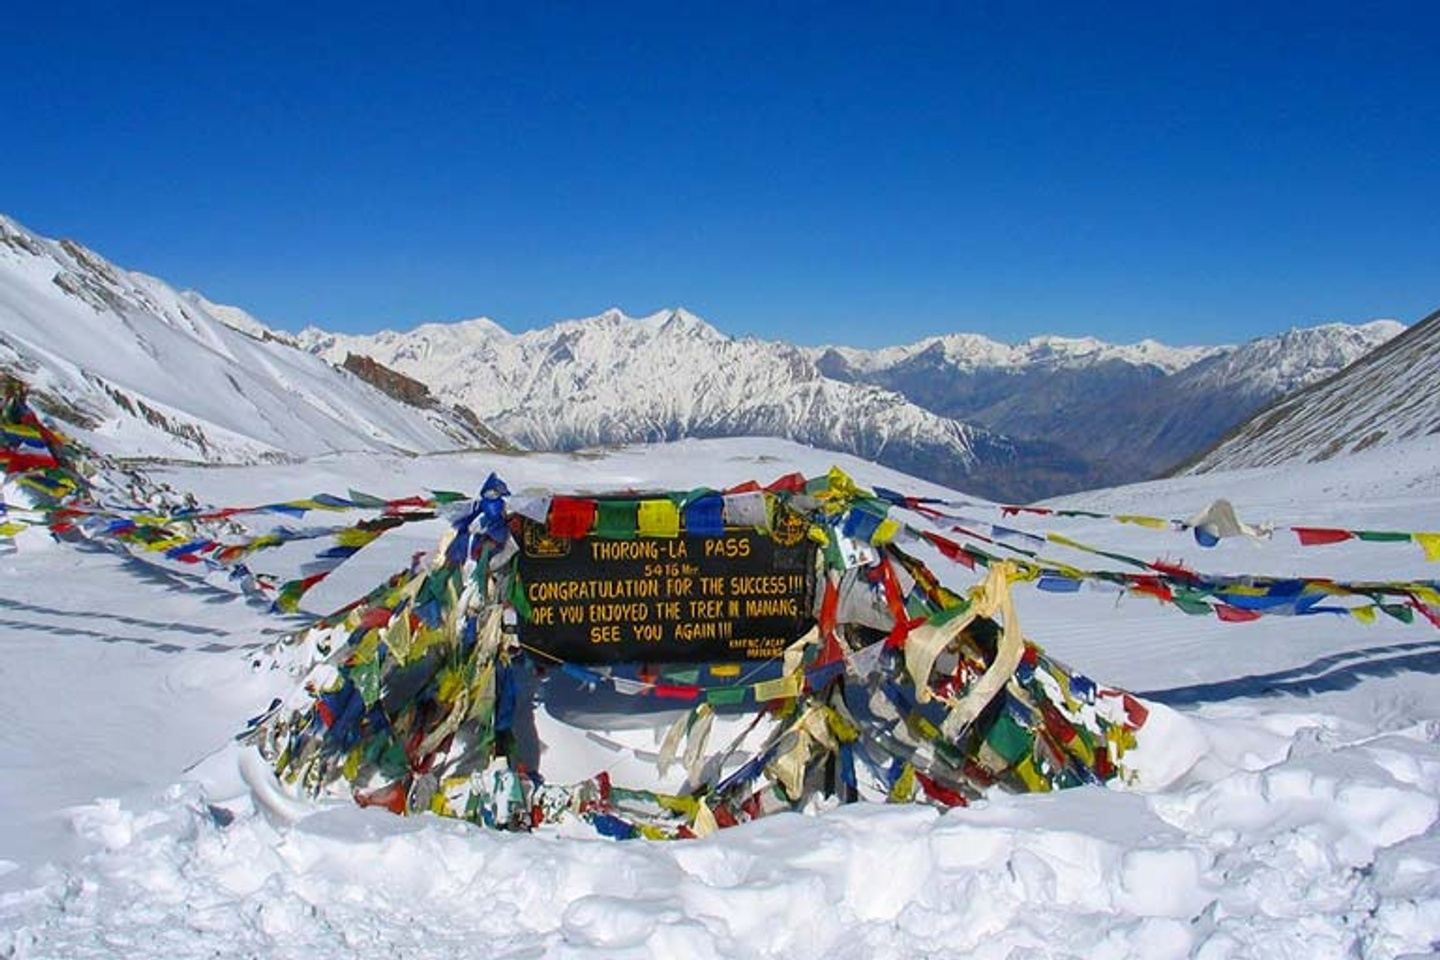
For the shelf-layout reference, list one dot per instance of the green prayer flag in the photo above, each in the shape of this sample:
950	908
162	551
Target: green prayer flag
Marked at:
616	519
1192	605
517	597
726	696
366	677
1007	738
1399	611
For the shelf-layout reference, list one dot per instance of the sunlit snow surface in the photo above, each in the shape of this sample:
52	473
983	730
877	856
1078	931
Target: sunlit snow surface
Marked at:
1306	829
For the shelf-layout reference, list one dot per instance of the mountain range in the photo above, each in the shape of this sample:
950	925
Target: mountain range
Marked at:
1130	412
143	369
1014	422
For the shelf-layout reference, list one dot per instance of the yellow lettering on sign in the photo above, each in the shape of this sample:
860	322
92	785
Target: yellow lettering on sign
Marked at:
730	548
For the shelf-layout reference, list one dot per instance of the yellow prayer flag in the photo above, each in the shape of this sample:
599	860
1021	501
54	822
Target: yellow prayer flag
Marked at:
903	790
1430	543
1363	614
704	823
789	685
841	487
1426	595
351	767
657	518
1031	777
356	537
1154	523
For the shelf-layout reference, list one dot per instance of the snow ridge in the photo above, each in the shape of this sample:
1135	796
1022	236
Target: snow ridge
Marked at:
973	351
1386	396
140	369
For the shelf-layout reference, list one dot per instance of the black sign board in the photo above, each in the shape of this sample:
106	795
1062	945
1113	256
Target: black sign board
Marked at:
745	595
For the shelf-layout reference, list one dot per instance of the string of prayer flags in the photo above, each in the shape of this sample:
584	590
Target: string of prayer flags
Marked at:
1211	525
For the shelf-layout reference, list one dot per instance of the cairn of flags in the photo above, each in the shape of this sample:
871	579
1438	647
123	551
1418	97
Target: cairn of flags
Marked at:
900	689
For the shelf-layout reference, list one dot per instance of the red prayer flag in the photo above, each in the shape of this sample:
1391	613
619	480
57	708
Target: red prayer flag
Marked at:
1425	611
16	462
950	549
391	797
571	517
677	691
374	618
790	483
1153	586
1318	536
940	794
1177	570
1235	614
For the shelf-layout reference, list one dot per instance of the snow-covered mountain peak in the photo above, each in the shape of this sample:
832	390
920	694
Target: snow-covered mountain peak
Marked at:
670	321
969	352
1072	351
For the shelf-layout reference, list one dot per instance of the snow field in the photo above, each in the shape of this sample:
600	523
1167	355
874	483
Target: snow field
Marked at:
1277	862
1294	810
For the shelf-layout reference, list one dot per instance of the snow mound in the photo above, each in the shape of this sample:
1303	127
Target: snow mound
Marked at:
1331	853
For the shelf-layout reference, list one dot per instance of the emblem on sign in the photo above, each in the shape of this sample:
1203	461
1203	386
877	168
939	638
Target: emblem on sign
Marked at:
539	542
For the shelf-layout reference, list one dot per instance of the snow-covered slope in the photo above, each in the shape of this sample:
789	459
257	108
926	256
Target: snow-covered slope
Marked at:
1388	395
1308	828
616	379
140	369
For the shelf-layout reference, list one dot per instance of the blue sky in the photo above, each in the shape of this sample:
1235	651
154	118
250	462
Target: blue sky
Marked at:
827	173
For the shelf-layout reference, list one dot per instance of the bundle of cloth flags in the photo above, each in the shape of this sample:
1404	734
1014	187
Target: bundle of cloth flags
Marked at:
903	690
